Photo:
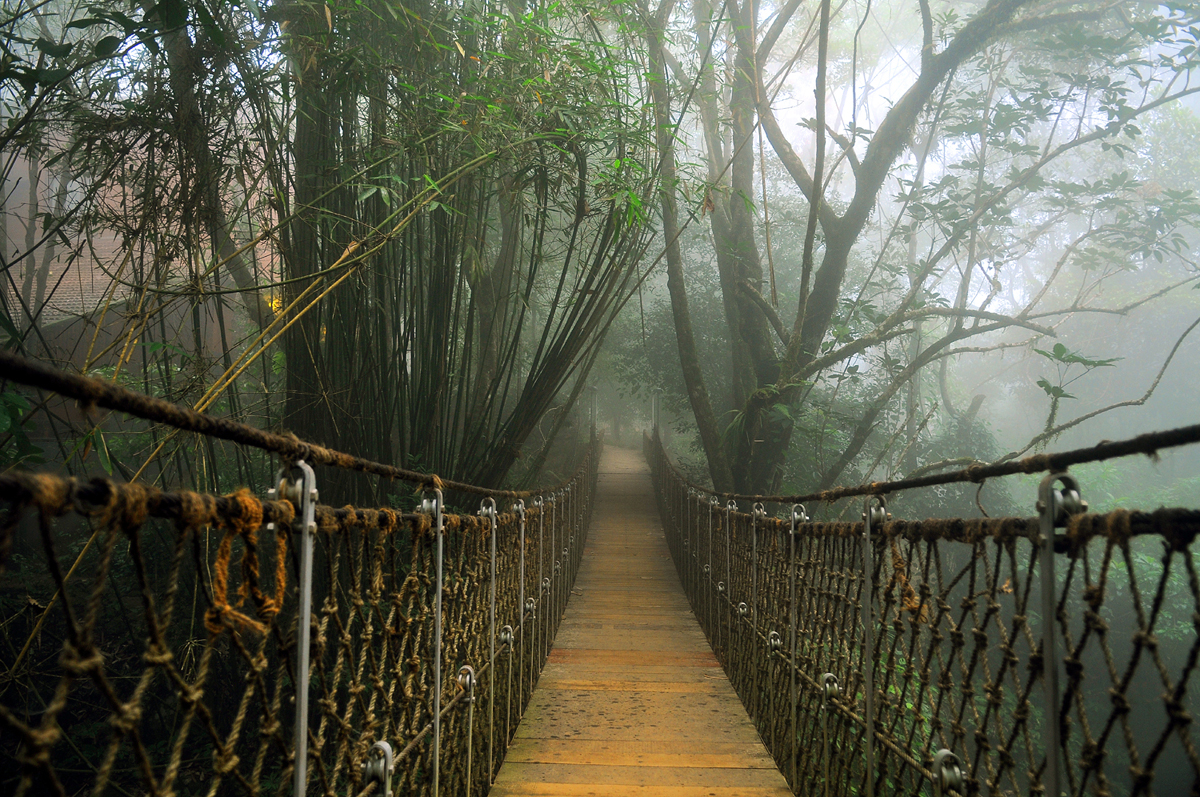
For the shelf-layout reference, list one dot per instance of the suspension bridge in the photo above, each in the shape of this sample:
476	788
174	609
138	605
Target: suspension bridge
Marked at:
622	632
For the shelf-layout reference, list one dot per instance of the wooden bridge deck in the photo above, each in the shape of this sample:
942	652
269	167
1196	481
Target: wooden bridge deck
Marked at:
632	701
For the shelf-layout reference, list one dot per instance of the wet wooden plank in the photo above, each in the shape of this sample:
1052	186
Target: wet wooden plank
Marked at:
632	701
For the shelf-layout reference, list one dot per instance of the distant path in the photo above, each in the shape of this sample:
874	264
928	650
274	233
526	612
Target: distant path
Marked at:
633	701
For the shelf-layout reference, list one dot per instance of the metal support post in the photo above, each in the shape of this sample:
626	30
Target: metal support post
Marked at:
873	515
466	681
709	599
433	505
799	515
758	514
487	509
303	495
829	690
541	508
519	509
1054	508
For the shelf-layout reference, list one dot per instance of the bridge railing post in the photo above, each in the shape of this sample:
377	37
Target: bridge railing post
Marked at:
433	504
487	510
519	509
799	515
303	495
710	583
759	514
1054	508
874	514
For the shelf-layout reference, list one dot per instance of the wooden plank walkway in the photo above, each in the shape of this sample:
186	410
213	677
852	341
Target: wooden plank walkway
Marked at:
632	701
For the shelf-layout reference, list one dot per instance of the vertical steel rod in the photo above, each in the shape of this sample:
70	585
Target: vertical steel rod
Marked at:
437	644
519	508
798	516
466	679
488	510
303	493
759	512
1053	509
868	623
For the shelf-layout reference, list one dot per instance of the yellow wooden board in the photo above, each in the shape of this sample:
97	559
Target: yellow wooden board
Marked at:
632	701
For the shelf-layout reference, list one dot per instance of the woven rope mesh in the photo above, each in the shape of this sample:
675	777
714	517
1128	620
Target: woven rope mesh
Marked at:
166	663
956	660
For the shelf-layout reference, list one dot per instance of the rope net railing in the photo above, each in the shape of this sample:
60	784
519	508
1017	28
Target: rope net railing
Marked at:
909	657
170	659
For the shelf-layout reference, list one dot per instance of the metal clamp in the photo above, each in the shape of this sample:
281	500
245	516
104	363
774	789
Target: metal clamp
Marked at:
830	688
731	505
466	681
506	636
878	512
947	773
378	767
775	642
799	515
721	586
530	604
759	511
743	609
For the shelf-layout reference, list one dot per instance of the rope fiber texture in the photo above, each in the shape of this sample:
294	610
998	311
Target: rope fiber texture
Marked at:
957	657
170	668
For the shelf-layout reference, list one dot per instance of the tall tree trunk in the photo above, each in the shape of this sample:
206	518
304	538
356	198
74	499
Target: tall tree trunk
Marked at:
304	405
710	436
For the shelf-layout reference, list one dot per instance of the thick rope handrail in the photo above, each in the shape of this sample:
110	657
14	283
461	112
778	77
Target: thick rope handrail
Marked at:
1149	444
102	393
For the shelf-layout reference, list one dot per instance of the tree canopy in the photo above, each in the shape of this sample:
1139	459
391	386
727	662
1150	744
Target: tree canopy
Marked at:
405	228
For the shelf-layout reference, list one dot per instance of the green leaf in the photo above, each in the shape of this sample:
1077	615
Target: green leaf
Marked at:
102	451
107	46
53	49
15	400
210	25
86	22
50	77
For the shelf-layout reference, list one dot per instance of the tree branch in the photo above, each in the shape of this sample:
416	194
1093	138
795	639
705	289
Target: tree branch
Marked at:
767	310
1062	427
